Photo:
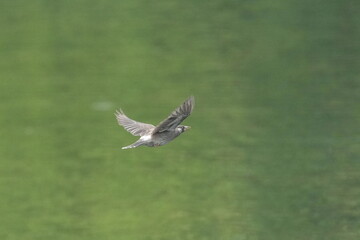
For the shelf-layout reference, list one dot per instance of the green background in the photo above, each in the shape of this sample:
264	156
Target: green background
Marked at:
274	149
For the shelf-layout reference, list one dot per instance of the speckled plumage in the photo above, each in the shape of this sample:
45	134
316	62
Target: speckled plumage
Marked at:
161	134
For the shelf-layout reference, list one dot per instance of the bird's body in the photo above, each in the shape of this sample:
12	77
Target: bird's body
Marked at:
163	133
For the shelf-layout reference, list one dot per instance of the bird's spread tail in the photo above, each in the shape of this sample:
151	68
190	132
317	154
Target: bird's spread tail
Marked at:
134	145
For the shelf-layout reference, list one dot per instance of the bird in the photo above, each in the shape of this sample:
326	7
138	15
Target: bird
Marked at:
163	133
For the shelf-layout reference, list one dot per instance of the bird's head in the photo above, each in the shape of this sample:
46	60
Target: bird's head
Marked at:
182	128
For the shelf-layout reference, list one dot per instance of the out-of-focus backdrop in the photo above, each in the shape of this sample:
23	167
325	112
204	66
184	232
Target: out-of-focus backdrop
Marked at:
273	152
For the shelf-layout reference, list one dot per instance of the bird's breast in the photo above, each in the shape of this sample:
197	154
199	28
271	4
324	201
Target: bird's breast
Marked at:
164	137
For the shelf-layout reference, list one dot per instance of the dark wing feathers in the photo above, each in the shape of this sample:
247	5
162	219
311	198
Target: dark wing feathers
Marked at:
132	126
177	116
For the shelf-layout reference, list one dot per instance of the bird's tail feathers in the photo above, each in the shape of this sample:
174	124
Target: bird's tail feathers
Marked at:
134	145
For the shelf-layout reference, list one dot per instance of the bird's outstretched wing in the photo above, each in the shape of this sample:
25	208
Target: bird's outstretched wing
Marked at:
132	126
176	117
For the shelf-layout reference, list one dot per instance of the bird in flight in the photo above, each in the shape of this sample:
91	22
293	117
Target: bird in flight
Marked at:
164	132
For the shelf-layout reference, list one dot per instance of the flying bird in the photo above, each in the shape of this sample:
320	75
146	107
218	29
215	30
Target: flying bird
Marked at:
164	132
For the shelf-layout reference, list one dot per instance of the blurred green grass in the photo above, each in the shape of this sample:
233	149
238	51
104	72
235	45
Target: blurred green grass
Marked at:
274	148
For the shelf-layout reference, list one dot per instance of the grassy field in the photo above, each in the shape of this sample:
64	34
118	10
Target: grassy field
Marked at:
274	149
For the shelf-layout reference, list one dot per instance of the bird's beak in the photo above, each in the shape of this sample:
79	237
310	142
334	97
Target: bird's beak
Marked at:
187	128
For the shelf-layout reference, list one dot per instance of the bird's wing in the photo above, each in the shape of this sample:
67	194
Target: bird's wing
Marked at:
177	116
132	126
